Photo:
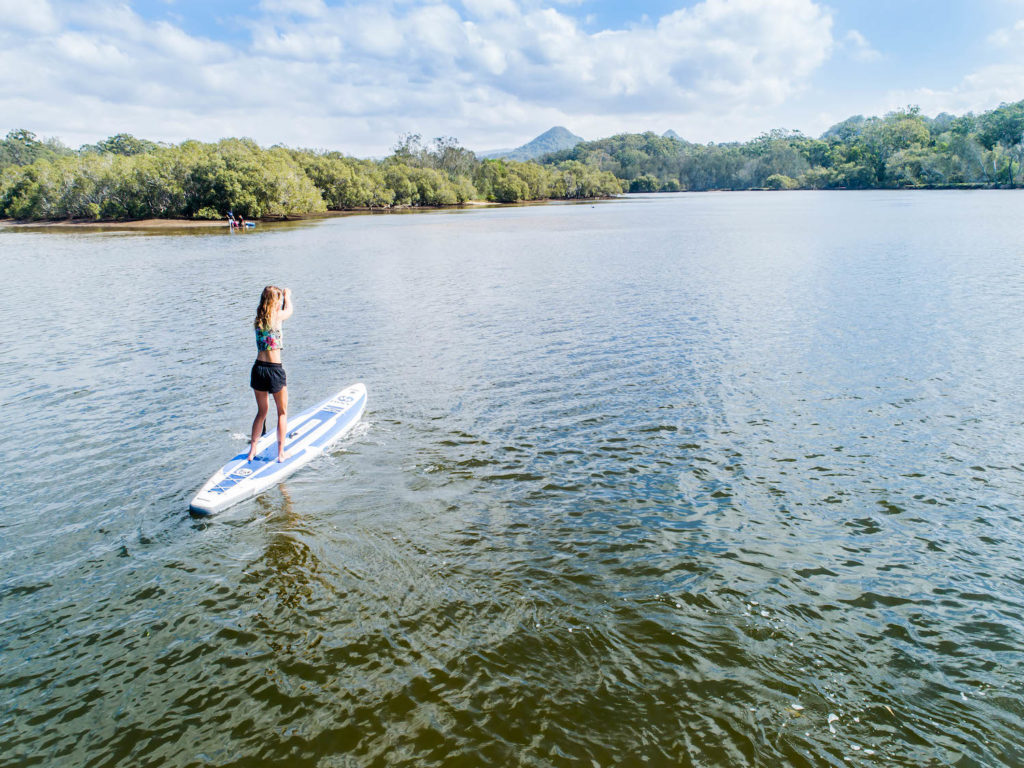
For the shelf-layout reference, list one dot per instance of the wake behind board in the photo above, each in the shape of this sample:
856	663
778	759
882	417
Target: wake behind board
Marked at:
308	436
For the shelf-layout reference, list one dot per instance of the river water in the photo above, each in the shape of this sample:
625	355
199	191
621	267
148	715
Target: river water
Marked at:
697	479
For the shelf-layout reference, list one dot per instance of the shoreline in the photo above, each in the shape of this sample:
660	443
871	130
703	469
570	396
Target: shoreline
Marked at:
143	225
135	224
210	224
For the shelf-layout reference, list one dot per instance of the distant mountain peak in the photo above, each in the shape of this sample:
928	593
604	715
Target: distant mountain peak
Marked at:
559	132
670	134
552	140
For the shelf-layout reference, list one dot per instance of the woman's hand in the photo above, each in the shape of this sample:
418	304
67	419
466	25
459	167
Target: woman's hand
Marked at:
286	305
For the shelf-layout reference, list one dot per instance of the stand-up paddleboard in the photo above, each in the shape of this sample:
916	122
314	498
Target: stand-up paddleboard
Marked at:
308	436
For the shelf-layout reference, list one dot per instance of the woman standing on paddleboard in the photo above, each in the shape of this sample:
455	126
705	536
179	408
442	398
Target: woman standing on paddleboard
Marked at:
268	377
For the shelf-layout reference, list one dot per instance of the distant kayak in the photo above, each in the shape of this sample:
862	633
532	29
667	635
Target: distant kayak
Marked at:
309	435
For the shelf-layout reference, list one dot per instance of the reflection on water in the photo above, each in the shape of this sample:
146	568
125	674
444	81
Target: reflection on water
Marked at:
683	479
287	566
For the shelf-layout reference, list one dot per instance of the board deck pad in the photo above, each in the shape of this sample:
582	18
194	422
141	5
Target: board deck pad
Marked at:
309	435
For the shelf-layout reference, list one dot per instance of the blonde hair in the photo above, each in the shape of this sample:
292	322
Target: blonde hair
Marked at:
270	303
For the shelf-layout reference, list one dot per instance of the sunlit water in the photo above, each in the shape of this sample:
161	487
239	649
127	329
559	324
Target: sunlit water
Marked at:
720	479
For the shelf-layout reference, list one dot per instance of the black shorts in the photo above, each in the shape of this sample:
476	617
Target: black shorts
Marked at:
267	377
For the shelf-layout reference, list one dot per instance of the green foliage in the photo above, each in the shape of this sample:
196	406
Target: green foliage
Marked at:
167	182
818	178
346	183
123	177
122	144
509	181
847	130
576	180
1003	129
645	183
21	147
781	181
901	149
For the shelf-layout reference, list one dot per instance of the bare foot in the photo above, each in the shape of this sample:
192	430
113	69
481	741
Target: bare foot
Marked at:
283	456
251	454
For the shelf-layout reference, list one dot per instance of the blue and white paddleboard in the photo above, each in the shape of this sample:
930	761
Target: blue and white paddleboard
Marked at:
308	436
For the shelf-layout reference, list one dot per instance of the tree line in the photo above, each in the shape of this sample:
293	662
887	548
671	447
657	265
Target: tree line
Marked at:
903	149
124	177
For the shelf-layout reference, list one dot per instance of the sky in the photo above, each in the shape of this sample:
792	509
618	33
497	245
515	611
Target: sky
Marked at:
355	76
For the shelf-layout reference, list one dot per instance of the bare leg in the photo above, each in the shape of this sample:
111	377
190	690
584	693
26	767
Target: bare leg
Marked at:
262	406
281	401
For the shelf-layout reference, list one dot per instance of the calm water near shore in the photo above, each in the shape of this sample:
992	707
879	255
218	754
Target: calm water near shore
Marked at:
710	479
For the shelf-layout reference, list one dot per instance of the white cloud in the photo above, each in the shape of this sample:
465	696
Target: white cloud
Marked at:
859	47
438	28
103	16
355	76
84	51
979	91
310	8
299	44
489	9
30	15
370	30
1004	38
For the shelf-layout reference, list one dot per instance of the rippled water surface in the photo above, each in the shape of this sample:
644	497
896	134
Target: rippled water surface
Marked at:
719	479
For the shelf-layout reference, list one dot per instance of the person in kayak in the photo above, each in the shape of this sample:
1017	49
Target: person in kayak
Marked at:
267	376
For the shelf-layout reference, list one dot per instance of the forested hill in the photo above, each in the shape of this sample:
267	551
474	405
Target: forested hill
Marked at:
128	178
904	149
552	140
124	177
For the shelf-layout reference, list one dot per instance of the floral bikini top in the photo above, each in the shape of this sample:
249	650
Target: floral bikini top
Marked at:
268	339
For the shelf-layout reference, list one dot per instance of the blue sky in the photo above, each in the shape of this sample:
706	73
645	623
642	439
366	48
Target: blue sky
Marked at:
353	76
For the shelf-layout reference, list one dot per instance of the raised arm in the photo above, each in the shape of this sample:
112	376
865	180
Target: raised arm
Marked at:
286	305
